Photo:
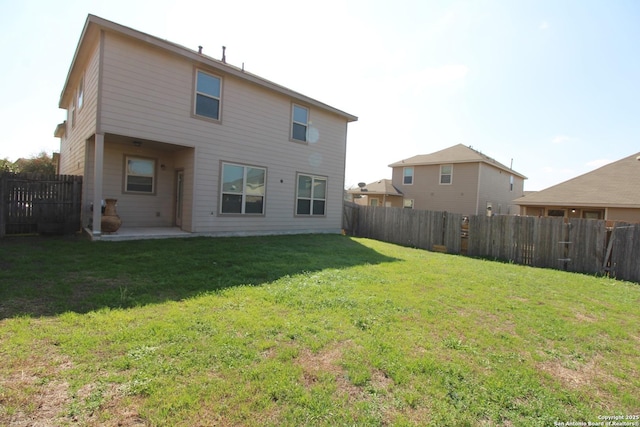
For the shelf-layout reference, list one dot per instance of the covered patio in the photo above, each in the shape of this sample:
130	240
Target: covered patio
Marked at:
151	182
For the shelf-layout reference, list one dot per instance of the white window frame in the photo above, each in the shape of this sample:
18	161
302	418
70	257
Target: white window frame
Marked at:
450	174
405	176
511	183
294	122
69	122
80	95
313	198
72	113
207	95
244	192
407	203
153	175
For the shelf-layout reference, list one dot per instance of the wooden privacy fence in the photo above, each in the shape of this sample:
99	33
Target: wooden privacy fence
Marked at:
408	227
31	203
546	242
622	258
577	245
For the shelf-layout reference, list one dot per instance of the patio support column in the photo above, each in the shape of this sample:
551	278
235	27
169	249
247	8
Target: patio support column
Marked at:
97	183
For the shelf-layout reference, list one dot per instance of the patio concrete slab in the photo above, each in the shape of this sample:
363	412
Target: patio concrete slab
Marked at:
141	233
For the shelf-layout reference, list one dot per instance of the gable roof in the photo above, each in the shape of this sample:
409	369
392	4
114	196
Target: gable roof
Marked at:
95	24
383	186
612	185
457	154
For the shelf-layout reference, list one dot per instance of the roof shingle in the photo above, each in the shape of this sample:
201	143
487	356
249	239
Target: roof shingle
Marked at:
612	185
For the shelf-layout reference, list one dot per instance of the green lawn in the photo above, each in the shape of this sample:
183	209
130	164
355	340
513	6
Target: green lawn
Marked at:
305	330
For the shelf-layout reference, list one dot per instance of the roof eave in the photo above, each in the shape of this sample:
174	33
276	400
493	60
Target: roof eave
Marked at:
61	130
85	29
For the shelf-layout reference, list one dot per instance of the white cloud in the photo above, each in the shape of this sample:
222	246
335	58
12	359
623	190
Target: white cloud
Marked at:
561	139
544	25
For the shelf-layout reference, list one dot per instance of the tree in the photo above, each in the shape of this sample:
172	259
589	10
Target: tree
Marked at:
42	164
7	166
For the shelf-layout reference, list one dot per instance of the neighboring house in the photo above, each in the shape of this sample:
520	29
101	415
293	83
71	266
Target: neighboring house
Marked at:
182	139
379	193
610	193
458	179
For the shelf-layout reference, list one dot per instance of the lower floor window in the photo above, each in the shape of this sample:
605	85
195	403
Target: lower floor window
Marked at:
311	195
140	175
242	189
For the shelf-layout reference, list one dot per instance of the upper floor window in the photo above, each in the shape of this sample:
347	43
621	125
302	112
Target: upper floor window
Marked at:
407	176
242	189
207	103
140	175
81	93
446	174
511	183
311	195
72	113
300	123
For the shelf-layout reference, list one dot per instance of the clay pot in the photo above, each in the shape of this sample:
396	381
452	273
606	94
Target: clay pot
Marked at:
110	222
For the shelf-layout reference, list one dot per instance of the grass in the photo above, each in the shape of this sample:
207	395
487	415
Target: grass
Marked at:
305	330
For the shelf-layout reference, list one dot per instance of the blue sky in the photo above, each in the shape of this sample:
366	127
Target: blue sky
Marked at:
553	85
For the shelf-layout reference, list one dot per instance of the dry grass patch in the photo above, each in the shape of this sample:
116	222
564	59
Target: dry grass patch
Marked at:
32	392
577	375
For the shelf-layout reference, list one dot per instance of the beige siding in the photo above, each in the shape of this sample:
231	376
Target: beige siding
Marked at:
72	148
428	194
382	201
495	188
623	214
611	214
473	186
136	210
148	94
532	210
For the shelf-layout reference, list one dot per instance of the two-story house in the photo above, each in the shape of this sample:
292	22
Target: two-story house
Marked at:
458	179
182	139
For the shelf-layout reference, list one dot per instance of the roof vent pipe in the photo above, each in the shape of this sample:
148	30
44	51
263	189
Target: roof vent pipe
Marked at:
200	50
224	56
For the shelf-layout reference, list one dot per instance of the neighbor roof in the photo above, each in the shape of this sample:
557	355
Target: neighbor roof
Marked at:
612	185
95	24
383	186
457	154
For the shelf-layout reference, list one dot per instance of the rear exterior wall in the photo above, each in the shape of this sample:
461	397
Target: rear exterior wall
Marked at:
496	188
148	93
428	194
